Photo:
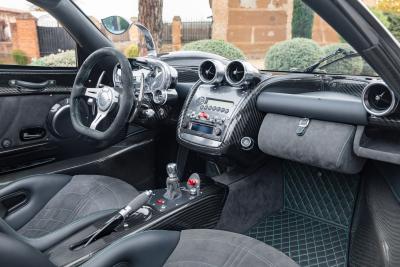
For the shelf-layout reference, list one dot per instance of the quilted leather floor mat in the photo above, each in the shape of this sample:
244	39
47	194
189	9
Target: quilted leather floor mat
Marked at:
313	227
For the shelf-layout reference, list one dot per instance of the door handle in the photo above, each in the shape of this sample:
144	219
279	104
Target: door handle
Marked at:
32	134
30	85
28	136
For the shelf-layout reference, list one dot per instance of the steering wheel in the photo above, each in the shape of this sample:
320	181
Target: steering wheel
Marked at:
105	97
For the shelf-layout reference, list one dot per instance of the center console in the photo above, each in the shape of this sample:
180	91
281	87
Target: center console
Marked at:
220	116
176	207
209	113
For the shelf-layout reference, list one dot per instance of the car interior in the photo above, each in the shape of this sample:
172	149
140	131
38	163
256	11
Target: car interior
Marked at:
191	159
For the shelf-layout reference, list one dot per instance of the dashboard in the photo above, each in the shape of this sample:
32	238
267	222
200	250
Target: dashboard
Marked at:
222	104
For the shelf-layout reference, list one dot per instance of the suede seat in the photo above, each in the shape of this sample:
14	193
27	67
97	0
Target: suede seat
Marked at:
197	248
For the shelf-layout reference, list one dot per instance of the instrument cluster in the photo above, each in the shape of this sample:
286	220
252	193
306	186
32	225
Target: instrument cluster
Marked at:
158	78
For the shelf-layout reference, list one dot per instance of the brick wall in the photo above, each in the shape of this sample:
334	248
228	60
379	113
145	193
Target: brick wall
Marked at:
252	25
255	25
25	38
323	33
21	27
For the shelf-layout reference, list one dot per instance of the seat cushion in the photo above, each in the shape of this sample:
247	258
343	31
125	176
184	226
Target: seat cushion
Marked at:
195	248
200	248
81	196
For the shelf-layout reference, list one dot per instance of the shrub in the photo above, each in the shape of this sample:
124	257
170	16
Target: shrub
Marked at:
302	20
132	51
297	53
20	57
368	70
63	59
352	66
218	47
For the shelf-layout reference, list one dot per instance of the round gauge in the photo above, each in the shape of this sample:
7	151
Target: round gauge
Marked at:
160	97
157	80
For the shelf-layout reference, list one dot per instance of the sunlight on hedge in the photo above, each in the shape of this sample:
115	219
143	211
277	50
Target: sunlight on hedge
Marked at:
297	53
218	47
63	59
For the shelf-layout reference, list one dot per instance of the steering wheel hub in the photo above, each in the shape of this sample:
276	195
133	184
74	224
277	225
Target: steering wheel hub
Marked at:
105	99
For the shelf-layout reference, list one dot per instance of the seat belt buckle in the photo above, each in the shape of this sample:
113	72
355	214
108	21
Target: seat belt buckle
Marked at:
302	127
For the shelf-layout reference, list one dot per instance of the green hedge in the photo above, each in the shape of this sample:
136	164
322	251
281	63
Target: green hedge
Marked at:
368	70
132	51
352	66
20	57
297	53
63	59
218	47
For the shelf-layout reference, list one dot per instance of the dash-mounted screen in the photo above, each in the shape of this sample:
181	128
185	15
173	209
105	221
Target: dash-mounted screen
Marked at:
219	103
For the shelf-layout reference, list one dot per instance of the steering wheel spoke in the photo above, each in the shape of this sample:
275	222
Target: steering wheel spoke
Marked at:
92	92
99	117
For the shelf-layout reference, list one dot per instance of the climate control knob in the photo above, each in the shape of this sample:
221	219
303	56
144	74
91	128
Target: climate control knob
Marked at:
217	131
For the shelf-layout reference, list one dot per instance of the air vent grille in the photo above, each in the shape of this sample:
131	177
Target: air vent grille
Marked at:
378	99
211	71
208	71
235	72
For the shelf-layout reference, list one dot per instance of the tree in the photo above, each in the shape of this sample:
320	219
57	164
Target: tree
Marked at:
302	21
150	15
394	27
392	6
391	9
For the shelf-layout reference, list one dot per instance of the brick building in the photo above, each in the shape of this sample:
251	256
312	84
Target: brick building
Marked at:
17	32
255	25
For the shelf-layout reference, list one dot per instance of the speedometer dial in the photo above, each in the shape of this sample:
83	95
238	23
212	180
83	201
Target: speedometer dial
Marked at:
158	80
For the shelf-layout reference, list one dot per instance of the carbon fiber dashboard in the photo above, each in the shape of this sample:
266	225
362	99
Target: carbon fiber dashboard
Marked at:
245	121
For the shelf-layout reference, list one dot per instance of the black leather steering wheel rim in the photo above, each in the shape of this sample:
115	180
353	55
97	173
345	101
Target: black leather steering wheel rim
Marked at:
124	94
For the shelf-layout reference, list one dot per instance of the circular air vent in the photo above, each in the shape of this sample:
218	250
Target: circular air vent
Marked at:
235	73
211	71
378	99
239	72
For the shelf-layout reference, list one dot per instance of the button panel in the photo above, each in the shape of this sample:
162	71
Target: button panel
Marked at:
210	111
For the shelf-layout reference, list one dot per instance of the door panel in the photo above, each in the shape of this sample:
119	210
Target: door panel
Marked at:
132	160
24	114
26	137
21	115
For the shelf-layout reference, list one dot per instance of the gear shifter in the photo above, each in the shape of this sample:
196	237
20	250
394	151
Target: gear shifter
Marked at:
173	185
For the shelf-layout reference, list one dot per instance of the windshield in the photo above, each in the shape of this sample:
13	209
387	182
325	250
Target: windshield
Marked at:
274	35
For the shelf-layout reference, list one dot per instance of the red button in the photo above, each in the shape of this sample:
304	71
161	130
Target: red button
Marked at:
160	201
192	182
203	115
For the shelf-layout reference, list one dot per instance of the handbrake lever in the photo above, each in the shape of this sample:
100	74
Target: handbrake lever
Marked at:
114	221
